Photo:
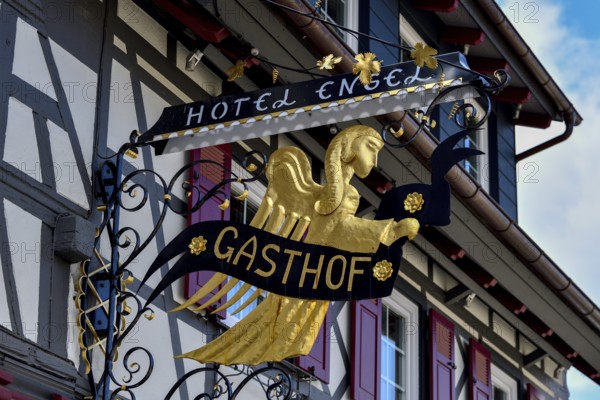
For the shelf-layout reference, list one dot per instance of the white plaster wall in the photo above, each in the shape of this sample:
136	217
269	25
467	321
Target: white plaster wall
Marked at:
24	234
20	130
67	178
80	84
29	62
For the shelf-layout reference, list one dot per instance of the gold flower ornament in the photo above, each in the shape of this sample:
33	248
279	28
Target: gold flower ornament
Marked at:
236	71
197	245
414	202
328	62
423	55
366	66
382	271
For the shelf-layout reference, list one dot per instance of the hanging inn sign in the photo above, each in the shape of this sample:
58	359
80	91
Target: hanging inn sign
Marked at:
305	246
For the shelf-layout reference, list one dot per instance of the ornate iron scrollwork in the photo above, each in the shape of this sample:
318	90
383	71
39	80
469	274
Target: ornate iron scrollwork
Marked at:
103	298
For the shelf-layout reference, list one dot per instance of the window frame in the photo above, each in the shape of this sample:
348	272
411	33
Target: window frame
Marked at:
482	133
351	22
256	192
504	382
409	311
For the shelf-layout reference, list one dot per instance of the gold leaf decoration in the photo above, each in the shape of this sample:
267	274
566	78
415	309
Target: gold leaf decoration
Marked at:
441	81
382	271
236	71
366	65
414	202
423	55
328	62
224	205
242	196
274	74
318	4
197	245
251	167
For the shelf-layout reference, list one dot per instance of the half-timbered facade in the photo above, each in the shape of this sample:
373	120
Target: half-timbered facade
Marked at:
478	310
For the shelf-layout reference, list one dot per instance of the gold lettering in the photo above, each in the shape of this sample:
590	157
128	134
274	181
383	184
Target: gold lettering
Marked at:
306	270
227	255
354	271
242	252
330	284
270	272
292	254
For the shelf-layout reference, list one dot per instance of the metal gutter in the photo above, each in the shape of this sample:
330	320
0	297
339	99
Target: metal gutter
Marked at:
570	124
518	46
463	185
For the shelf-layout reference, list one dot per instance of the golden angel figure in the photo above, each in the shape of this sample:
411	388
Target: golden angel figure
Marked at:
296	207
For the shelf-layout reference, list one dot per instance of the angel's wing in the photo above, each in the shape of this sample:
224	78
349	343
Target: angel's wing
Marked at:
286	210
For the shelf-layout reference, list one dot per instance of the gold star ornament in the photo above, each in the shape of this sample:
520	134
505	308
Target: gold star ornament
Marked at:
236	71
382	271
366	66
328	62
414	202
197	245
423	55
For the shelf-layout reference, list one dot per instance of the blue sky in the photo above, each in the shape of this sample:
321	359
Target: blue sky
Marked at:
559	208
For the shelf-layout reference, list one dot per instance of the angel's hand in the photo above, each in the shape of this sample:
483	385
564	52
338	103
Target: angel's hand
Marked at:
408	227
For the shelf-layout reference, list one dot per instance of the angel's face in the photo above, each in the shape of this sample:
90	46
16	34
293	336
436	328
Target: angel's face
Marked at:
365	149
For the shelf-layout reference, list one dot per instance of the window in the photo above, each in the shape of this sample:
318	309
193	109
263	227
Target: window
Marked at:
344	13
242	211
504	387
393	356
408	38
399	349
477	166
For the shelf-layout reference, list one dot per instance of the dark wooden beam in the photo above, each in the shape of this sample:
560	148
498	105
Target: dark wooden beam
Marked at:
487	65
533	357
456	294
436	5
202	24
461	35
508	300
514	95
445	245
541	121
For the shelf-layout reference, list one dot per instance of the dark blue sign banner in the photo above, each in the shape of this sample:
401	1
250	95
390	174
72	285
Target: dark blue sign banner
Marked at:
302	105
279	265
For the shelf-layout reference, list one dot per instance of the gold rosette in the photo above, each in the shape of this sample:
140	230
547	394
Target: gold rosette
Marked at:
382	271
414	202
197	245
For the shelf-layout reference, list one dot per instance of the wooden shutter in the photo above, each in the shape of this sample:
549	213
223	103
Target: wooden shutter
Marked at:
480	371
317	361
366	350
533	393
441	334
205	176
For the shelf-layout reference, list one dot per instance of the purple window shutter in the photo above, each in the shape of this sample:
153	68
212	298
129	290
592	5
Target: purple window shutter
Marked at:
533	393
442	357
366	350
207	176
317	361
480	371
